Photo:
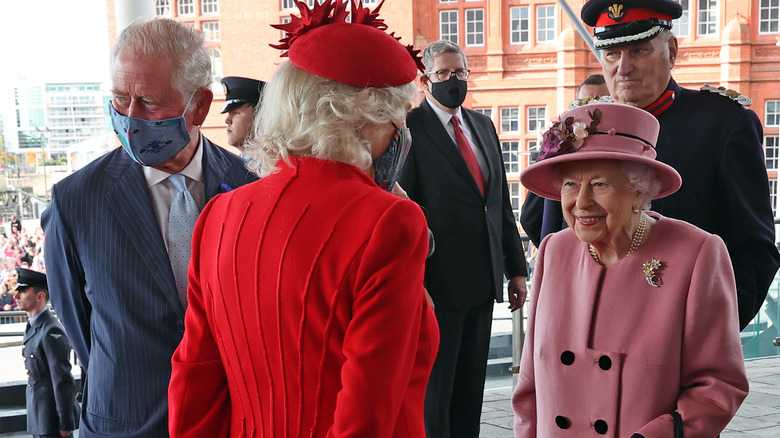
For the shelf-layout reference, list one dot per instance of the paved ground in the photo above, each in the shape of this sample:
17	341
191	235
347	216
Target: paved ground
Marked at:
759	415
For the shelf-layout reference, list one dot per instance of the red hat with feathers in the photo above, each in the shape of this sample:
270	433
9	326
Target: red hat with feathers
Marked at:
350	47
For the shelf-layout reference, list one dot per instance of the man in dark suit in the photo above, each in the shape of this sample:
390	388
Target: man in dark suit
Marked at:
118	231
52	410
455	172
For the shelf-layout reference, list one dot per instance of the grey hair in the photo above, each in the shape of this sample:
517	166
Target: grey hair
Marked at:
308	115
175	41
436	48
642	179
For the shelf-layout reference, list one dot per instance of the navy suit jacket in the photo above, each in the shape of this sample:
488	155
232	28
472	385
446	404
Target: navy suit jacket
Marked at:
51	393
113	288
476	236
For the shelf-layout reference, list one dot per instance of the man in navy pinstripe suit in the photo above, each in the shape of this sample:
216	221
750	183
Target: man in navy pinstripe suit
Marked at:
107	246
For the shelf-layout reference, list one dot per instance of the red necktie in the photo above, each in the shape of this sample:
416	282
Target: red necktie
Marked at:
468	155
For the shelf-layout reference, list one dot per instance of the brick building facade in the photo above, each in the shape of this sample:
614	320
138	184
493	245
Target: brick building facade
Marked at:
526	56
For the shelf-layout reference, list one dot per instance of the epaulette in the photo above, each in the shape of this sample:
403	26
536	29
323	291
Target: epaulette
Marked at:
731	94
590	99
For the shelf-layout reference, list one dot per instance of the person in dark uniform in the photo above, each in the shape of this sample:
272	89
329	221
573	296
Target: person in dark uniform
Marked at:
52	410
241	97
708	136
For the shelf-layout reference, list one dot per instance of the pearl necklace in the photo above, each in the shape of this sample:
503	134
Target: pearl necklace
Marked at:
636	239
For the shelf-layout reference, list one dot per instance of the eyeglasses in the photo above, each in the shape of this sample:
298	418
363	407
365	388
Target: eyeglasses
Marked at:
444	75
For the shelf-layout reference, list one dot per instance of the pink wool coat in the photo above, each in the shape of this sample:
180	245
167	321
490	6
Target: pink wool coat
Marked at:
307	316
608	355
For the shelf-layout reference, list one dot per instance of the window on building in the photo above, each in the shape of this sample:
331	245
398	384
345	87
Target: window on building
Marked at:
485	111
514	198
511	154
536	118
771	150
209	7
216	64
186	7
448	1
285	20
768	16
773	195
475	27
519	25
533	151
545	23
448	26
211	29
288	4
682	26
510	120
708	17
369	2
772	114
162	8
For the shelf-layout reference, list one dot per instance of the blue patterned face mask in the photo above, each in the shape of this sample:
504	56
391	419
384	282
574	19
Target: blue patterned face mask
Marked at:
151	142
388	166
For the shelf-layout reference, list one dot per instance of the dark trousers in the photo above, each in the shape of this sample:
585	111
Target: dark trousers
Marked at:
453	399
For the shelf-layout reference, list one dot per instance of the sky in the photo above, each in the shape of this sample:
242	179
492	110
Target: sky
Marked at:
53	40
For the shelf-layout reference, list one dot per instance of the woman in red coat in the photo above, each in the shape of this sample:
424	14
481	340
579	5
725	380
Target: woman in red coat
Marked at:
633	327
307	314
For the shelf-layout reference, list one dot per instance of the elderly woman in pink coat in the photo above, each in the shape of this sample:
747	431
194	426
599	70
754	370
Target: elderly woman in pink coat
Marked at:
633	328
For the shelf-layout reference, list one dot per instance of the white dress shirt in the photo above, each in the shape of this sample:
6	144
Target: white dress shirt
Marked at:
445	118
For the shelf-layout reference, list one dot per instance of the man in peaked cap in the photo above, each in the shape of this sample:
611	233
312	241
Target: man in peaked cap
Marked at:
707	135
52	410
241	97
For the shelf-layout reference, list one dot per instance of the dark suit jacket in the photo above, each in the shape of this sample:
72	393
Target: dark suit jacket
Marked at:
476	237
51	400
114	290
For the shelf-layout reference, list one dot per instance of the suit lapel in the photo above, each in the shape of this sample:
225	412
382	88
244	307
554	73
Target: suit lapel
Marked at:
129	200
215	166
35	326
439	137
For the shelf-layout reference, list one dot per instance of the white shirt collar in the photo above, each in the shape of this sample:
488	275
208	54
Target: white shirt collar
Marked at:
193	170
444	116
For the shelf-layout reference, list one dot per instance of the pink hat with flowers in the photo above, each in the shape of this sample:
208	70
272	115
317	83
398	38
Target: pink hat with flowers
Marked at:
598	131
346	42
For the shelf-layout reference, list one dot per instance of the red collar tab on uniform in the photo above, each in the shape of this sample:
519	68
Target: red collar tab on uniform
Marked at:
662	103
618	13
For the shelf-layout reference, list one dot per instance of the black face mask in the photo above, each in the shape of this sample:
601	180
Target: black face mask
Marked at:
450	93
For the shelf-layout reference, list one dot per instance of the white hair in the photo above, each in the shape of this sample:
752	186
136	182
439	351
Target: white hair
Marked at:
307	115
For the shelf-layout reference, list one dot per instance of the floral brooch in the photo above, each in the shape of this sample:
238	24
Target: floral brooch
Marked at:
650	269
567	136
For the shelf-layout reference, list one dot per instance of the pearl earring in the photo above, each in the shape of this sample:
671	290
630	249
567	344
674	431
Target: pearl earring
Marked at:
636	210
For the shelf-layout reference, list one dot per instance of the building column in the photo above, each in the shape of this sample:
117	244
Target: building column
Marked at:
128	10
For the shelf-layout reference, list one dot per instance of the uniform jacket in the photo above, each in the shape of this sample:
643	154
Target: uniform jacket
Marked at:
715	145
51	393
307	316
114	290
477	241
605	351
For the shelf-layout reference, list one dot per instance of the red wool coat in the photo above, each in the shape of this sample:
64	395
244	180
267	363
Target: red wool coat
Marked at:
307	316
607	352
